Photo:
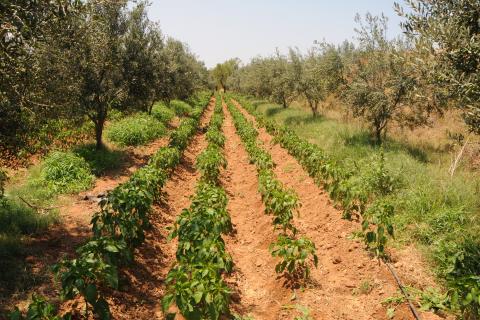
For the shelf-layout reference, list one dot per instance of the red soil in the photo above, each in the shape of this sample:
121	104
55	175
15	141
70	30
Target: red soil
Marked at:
335	290
343	264
258	292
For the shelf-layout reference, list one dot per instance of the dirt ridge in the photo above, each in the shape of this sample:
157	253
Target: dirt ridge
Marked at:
350	284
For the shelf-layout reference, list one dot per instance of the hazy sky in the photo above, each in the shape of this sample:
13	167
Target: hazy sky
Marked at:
217	30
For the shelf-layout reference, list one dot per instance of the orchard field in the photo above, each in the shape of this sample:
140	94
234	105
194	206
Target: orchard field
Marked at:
340	182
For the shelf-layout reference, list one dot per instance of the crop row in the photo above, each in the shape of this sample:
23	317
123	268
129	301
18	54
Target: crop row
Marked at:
195	283
368	197
118	228
280	202
363	198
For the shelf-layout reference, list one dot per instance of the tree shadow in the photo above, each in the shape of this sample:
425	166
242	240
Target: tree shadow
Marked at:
365	139
274	111
304	119
28	268
103	161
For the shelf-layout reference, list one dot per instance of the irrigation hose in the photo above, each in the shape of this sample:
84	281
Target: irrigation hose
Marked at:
400	285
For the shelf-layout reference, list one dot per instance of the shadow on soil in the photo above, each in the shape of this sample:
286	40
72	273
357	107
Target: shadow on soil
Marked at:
28	268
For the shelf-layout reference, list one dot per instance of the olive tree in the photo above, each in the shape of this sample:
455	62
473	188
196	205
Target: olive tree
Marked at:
182	75
316	74
96	61
281	80
26	27
142	42
448	31
381	84
223	71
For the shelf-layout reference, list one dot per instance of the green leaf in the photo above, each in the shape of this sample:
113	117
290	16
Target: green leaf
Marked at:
197	296
111	248
91	293
167	301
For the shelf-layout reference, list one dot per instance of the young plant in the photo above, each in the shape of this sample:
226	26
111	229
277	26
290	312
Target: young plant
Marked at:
279	202
209	163
39	309
295	254
377	225
198	291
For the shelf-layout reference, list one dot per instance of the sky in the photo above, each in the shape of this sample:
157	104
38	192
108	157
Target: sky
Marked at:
217	30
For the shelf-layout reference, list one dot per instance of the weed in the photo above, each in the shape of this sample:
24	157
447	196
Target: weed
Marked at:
162	113
64	172
135	130
304	312
365	287
181	108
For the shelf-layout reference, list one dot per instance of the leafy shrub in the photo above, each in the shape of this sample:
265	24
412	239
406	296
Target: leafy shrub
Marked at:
280	202
135	130
162	113
216	137
377	224
181	108
209	163
166	158
294	254
101	160
64	172
181	137
198	291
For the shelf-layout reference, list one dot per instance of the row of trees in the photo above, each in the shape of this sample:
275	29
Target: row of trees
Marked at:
78	59
434	65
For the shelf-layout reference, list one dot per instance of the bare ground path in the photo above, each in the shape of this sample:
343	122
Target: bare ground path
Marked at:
349	284
258	292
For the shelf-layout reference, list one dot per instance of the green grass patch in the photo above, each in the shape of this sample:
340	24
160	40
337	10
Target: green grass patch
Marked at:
101	160
59	173
181	108
65	172
162	113
135	130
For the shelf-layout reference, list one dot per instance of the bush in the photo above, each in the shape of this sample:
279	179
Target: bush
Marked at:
162	113
64	172
181	108
135	130
99	160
